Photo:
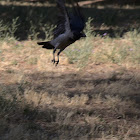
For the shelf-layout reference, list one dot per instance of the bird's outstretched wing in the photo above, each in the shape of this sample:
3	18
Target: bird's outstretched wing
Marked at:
77	20
63	24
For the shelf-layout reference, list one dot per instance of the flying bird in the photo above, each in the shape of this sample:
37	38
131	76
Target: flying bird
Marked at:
68	30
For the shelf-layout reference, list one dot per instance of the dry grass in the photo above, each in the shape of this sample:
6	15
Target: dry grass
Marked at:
118	51
41	101
93	94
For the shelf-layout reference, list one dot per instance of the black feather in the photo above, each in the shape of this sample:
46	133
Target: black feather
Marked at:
46	45
77	20
60	28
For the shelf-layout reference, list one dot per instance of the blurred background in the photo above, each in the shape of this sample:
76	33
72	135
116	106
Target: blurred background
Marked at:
33	16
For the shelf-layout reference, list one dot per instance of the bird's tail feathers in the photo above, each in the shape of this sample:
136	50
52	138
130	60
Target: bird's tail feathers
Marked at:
46	45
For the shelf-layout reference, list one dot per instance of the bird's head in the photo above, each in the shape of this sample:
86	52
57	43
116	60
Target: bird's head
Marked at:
77	35
82	34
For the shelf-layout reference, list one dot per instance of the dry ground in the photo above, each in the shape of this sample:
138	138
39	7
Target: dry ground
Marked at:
41	101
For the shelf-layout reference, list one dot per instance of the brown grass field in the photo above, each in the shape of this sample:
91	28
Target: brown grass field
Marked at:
41	101
94	92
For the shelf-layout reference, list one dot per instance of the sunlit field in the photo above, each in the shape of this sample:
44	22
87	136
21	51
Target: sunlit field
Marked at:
94	92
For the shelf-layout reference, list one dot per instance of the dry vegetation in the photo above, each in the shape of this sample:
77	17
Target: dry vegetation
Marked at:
93	94
41	101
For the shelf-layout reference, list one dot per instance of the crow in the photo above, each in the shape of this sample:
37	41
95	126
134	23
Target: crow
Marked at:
68	30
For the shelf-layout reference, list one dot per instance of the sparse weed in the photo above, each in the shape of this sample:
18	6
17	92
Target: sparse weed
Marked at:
119	50
32	60
48	30
3	30
13	27
89	28
32	31
8	31
15	62
80	52
10	71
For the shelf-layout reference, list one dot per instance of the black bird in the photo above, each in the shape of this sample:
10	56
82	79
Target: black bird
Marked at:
69	29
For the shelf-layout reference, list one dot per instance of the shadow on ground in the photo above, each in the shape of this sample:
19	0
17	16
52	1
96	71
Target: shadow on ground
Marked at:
124	84
32	19
67	102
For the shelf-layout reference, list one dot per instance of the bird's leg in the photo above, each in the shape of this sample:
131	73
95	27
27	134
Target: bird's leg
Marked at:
54	55
58	57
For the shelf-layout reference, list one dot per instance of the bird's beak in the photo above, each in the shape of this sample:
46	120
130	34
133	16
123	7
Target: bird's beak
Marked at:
83	35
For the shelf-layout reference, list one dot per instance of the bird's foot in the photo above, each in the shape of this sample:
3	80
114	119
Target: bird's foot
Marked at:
53	61
56	63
